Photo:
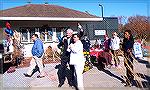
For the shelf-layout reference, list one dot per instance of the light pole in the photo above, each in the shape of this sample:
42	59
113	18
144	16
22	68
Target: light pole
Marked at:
101	9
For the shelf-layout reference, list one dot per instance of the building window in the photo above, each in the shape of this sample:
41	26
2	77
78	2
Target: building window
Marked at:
49	34
24	35
58	32
46	35
31	32
42	34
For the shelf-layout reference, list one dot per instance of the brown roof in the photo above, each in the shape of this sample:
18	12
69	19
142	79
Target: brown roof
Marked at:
44	10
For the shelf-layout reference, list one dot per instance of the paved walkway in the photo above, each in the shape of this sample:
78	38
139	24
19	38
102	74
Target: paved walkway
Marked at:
94	79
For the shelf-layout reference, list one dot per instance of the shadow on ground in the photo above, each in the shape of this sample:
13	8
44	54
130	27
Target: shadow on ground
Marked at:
139	84
146	83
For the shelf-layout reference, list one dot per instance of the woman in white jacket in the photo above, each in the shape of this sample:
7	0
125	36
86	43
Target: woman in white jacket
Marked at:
77	59
115	46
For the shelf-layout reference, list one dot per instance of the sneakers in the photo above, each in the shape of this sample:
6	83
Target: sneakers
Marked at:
108	66
60	84
40	76
26	75
127	85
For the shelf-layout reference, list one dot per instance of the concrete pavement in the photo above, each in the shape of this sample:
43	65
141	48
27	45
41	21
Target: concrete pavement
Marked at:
94	79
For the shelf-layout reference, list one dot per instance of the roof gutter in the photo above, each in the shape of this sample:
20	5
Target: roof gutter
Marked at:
51	18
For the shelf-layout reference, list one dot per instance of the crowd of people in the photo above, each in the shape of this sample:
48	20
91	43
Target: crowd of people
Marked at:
72	57
113	47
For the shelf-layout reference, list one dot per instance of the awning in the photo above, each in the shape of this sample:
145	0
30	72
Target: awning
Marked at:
51	18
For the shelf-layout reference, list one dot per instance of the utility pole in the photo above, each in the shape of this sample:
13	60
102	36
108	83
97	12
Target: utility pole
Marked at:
46	2
101	9
29	1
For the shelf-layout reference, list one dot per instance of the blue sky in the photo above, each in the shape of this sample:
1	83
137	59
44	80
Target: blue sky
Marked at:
111	7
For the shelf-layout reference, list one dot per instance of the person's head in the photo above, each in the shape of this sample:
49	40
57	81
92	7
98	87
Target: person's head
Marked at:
34	37
106	37
127	34
69	32
85	37
76	37
114	34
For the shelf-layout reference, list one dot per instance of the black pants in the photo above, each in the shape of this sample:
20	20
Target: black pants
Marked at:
74	76
65	72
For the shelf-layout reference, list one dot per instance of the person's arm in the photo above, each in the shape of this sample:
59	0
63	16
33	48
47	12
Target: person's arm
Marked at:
39	48
61	43
110	43
132	42
81	30
89	44
118	41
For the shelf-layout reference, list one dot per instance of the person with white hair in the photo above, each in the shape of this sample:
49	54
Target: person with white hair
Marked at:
65	56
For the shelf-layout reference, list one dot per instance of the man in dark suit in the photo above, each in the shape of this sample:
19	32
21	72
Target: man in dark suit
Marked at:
65	57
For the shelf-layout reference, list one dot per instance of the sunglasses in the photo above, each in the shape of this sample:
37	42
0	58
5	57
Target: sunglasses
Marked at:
74	37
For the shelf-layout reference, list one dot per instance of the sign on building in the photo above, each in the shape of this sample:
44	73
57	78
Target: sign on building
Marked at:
100	32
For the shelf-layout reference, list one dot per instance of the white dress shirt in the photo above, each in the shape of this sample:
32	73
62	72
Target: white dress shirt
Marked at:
76	56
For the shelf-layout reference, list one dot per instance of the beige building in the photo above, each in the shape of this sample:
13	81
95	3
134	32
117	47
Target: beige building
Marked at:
48	21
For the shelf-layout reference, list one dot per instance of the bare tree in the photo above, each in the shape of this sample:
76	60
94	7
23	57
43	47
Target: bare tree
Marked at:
139	25
121	22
